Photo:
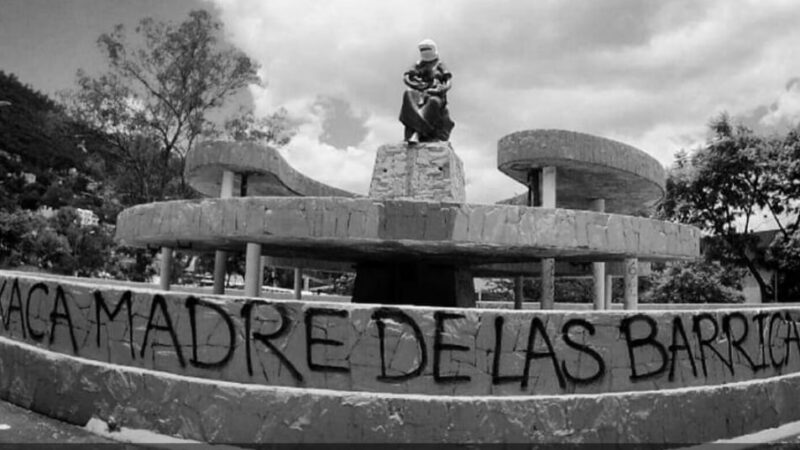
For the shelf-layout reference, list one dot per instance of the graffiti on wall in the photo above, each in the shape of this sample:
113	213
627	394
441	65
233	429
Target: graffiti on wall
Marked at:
422	350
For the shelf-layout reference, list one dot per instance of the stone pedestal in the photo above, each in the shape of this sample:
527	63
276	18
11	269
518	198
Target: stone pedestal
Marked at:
416	283
424	171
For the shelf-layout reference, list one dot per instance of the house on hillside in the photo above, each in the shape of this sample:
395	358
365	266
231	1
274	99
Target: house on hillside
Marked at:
86	217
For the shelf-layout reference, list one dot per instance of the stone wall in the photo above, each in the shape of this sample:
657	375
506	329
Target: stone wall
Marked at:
417	350
425	171
75	389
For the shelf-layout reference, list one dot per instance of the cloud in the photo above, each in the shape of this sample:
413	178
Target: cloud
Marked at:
648	73
785	111
342	127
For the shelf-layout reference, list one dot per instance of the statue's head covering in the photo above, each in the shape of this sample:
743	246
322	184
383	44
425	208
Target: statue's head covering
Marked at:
428	50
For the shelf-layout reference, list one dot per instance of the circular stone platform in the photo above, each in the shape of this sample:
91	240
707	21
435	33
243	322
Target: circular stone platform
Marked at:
267	172
342	229
588	167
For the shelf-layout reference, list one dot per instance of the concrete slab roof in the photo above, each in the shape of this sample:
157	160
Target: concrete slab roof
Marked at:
588	168
267	171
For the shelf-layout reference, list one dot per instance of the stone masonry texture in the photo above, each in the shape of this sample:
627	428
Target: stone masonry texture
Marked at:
371	229
424	171
408	350
658	376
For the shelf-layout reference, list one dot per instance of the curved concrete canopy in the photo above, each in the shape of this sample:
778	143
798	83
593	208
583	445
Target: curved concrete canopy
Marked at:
267	172
343	229
588	168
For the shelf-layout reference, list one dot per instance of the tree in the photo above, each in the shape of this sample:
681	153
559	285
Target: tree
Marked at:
566	290
154	101
276	129
699	281
34	128
722	186
58	244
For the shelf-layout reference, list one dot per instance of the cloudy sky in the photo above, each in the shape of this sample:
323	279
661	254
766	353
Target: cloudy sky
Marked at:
647	73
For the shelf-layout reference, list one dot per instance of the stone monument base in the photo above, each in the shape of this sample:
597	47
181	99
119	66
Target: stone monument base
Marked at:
414	283
425	171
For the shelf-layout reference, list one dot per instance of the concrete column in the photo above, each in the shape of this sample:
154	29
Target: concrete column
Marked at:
548	283
263	268
298	283
220	262
548	192
609	291
252	271
166	267
599	275
518	297
226	189
631	267
534	187
599	268
220	256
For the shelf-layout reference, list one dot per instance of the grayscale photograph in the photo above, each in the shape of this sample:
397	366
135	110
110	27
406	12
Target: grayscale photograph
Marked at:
358	223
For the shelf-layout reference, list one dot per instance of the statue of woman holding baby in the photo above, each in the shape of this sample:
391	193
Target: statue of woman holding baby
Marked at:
424	112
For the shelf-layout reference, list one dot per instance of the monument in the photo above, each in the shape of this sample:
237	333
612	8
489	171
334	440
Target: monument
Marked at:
424	111
411	358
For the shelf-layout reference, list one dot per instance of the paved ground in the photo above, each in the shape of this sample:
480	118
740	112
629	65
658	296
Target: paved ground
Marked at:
18	425
21	426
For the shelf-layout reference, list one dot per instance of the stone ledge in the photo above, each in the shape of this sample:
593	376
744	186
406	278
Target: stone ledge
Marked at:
375	230
74	390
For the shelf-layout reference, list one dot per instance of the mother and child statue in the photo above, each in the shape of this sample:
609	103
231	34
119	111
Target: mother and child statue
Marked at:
424	112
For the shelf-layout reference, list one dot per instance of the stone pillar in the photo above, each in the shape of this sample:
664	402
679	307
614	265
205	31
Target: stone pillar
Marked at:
298	283
426	171
599	268
548	190
220	256
518	294
548	283
599	275
166	267
609	291
226	188
252	271
548	193
631	267
220	263
534	194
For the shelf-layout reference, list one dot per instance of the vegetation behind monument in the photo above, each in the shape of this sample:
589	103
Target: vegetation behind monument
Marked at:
723	188
120	138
